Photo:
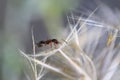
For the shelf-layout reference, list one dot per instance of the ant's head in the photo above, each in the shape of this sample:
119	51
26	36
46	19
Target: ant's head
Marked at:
42	42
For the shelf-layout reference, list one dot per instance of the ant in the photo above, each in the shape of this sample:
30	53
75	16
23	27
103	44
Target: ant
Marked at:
47	42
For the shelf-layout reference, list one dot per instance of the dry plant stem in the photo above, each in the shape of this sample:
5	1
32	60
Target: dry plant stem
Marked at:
27	76
113	67
42	69
68	38
92	64
46	65
69	22
87	19
85	56
90	22
73	30
26	56
51	68
109	56
109	59
35	68
76	38
96	43
40	76
75	27
72	18
44	53
75	66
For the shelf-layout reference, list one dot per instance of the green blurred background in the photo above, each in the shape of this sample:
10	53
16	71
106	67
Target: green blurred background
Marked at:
48	17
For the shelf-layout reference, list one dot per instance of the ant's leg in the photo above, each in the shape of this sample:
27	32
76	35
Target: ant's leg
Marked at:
51	45
55	45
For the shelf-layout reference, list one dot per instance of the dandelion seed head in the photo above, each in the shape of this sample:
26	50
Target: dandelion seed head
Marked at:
87	53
